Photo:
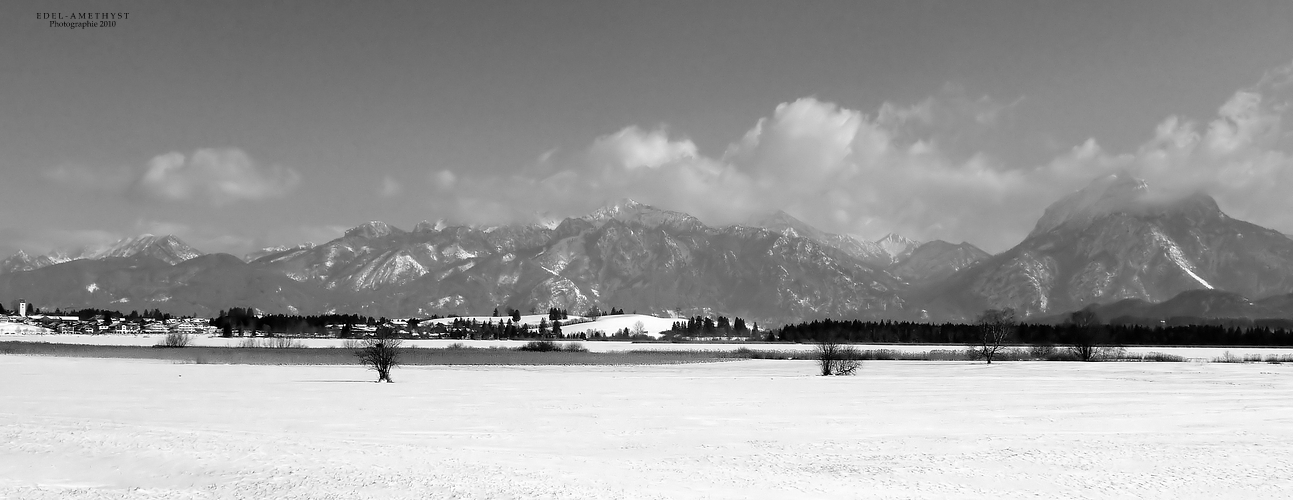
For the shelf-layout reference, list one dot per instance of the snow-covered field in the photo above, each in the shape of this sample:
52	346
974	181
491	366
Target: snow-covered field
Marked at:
1194	353
91	428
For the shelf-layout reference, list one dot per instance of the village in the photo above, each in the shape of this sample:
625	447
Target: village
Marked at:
27	320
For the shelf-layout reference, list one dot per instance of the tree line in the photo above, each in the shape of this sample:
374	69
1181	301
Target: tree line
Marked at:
244	319
1274	333
702	326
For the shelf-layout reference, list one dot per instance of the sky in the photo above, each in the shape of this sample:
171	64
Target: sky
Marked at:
240	125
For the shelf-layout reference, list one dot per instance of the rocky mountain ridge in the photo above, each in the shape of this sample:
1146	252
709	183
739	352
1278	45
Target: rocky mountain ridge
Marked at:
1114	240
166	248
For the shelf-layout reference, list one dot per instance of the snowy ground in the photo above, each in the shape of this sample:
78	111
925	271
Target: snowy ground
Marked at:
1194	353
89	428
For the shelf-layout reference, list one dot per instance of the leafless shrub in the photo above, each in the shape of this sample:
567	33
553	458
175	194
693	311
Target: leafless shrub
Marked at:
1227	357
550	346
271	343
835	358
1041	351
540	346
174	339
1110	353
1155	356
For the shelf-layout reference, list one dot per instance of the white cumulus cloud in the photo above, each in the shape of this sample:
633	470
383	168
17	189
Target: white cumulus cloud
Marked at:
390	187
922	170
214	176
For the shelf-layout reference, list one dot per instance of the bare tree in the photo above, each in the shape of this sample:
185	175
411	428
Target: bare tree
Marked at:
638	329
996	327
835	358
175	339
381	353
1085	334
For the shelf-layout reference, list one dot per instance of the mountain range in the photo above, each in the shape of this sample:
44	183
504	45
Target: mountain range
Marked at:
1113	241
166	248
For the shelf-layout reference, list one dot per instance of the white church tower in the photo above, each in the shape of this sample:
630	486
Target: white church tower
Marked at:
22	308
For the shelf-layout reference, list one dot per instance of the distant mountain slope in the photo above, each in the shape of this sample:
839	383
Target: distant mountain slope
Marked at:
376	255
252	256
202	285
1193	303
1113	241
21	261
641	258
166	248
936	260
866	251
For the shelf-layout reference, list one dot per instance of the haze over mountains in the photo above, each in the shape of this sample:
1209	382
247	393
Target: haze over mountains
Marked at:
1108	243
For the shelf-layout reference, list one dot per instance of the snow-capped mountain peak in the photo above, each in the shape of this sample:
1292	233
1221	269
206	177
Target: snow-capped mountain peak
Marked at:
167	248
620	207
897	245
252	256
22	261
430	227
629	210
372	229
1103	196
781	221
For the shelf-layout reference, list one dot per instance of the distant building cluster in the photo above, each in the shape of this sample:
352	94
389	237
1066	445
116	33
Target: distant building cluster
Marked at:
22	321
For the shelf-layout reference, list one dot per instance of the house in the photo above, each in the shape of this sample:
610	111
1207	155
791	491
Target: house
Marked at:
124	328
13	328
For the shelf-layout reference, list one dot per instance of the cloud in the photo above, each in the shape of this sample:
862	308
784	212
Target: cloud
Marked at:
214	176
390	187
925	170
633	148
320	234
837	168
160	228
41	240
444	180
1243	156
